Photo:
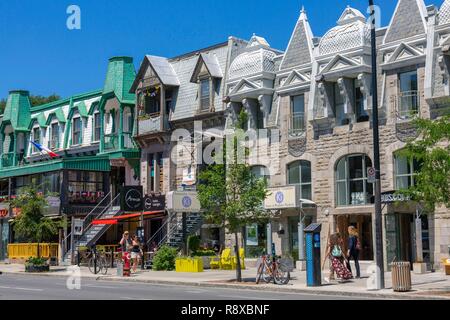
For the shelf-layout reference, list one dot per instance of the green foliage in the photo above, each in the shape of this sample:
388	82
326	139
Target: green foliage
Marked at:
204	253
193	243
39	100
31	224
34	100
164	259
432	150
36	261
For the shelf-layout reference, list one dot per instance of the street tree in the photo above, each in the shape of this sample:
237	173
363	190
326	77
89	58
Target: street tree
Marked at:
230	194
31	224
432	151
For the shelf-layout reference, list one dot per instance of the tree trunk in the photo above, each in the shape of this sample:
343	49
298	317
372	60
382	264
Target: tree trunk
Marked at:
238	260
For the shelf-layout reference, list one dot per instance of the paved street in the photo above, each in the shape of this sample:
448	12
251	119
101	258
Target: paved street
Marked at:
44	288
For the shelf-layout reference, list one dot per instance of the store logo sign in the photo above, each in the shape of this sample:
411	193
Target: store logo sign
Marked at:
279	197
186	201
132	198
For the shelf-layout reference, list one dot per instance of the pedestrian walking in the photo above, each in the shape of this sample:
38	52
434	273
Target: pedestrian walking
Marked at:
354	247
337	259
136	252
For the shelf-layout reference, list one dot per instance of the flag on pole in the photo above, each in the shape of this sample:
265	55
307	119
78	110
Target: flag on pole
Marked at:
44	150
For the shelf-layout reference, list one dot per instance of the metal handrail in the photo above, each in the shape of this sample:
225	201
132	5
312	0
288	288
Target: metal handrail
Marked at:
297	123
408	104
90	213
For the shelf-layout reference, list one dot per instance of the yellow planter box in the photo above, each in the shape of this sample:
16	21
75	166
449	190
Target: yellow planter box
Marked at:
27	250
188	265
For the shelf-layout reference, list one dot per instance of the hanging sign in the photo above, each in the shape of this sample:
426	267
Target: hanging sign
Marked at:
131	198
154	202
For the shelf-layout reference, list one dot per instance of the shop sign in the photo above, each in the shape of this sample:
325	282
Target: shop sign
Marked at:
78	227
183	201
282	198
53	201
3	213
392	197
132	199
252	235
154	203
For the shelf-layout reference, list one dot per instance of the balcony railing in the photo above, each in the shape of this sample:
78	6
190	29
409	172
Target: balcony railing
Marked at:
408	105
149	124
297	126
111	141
8	159
54	144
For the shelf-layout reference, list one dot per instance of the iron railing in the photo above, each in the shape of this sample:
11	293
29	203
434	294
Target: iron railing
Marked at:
408	105
297	124
111	141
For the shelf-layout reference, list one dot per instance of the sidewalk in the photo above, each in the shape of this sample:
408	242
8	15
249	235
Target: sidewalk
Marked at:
427	286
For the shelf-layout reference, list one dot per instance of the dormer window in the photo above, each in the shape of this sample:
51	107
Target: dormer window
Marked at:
54	141
36	138
77	131
205	94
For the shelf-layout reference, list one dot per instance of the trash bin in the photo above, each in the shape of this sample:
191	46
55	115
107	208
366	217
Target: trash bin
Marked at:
401	276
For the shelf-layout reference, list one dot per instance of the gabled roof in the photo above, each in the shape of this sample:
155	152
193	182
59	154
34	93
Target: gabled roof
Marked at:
162	68
82	109
409	20
119	78
212	65
300	47
17	110
59	114
40	118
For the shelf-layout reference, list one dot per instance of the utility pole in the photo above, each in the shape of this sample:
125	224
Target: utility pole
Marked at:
376	153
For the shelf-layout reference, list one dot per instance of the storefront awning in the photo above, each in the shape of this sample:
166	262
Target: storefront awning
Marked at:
115	220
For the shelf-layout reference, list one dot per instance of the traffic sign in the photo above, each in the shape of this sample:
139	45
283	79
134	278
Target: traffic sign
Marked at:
371	175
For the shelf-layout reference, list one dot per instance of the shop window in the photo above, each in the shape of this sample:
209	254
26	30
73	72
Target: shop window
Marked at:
85	187
405	171
299	173
352	187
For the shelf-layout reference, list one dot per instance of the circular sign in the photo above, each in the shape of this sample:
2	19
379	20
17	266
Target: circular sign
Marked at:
186	201
133	199
371	171
279	197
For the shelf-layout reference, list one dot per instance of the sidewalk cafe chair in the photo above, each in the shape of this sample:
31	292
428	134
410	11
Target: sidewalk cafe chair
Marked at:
214	262
241	259
226	260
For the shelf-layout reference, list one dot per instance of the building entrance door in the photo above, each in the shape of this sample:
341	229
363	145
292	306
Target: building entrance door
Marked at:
362	222
117	180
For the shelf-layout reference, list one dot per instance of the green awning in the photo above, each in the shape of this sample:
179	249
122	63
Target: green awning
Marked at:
94	163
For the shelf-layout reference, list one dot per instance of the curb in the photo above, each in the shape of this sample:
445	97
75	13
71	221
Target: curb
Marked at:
394	296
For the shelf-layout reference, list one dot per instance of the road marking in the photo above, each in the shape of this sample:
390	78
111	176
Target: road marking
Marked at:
18	288
101	287
196	291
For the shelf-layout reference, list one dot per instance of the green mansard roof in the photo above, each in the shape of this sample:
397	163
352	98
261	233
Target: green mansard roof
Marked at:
17	110
119	78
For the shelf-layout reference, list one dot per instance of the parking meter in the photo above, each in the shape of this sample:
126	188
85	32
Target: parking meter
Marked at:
313	267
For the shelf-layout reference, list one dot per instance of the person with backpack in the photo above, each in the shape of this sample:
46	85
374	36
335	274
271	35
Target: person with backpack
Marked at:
354	247
337	259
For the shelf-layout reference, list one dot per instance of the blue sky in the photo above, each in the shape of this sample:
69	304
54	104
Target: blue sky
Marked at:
38	53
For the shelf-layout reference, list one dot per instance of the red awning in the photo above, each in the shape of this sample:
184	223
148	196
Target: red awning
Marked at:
115	220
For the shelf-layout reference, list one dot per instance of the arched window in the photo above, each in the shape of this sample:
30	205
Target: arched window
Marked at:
352	188
299	173
405	171
261	172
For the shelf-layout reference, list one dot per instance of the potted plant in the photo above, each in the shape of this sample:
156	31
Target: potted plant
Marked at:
36	265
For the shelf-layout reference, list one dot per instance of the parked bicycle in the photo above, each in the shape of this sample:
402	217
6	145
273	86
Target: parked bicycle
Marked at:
272	269
98	262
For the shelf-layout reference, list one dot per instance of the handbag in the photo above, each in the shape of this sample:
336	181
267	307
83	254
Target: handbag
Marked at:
336	252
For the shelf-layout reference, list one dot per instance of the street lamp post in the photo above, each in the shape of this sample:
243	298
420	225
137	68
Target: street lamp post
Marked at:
376	154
